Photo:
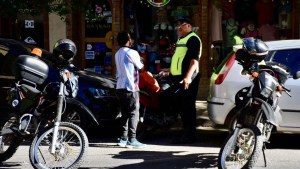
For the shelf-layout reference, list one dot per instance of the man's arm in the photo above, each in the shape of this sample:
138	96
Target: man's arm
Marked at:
187	80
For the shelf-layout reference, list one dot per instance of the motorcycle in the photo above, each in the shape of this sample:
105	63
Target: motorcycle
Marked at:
157	98
38	114
258	112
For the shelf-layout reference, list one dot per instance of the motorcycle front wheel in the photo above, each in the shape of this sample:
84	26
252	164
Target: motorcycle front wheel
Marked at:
242	151
72	144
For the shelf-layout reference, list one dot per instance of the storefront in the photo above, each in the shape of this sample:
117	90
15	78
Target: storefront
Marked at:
151	23
215	21
264	19
98	38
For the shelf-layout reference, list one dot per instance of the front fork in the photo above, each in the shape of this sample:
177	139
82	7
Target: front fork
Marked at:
58	117
235	135
1	145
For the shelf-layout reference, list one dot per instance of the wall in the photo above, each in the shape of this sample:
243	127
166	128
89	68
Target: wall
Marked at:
57	29
204	61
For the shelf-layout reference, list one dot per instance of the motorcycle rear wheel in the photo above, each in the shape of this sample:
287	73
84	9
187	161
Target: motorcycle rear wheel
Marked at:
10	142
244	152
71	148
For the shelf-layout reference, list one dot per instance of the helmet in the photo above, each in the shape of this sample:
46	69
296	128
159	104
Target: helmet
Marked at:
255	47
254	51
65	49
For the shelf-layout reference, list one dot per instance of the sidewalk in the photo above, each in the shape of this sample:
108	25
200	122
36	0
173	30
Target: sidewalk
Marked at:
203	121
202	114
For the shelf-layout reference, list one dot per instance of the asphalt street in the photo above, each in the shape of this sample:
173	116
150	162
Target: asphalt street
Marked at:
103	153
282	152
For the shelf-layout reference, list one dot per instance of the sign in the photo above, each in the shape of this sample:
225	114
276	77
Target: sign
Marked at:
89	46
32	31
29	24
98	19
89	55
158	3
30	40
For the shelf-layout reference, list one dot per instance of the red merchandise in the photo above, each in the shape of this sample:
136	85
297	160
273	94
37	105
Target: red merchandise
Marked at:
268	32
265	9
228	9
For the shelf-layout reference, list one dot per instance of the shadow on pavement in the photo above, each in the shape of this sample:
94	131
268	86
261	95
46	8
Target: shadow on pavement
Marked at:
284	141
167	160
10	165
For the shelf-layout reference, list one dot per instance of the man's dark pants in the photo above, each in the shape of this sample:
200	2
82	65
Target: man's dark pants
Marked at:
130	112
187	101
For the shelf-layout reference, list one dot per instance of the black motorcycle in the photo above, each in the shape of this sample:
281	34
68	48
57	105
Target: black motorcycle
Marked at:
258	112
157	98
37	116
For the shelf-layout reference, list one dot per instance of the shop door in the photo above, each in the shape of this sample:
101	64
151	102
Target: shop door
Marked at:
98	38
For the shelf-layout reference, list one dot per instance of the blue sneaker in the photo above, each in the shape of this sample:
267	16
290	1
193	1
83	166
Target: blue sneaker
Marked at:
135	144
122	142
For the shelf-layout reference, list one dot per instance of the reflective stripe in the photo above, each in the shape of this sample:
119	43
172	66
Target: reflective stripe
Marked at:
6	77
180	45
180	52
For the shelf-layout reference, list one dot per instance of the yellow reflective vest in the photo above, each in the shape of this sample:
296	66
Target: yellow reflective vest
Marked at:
181	49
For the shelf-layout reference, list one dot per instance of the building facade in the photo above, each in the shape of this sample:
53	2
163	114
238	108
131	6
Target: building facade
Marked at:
151	23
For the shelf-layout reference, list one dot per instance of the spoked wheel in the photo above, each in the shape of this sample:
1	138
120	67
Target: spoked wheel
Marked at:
242	151
75	116
70	150
9	142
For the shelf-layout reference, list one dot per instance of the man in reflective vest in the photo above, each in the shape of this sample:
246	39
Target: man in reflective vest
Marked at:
185	70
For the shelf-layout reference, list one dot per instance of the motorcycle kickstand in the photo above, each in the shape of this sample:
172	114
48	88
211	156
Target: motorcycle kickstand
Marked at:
263	150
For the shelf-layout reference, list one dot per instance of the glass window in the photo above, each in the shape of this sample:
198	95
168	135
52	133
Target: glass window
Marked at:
290	58
98	19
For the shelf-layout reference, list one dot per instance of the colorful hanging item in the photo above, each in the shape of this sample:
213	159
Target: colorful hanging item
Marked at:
158	3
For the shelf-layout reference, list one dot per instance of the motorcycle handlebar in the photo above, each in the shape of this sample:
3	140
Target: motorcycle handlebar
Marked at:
286	89
288	93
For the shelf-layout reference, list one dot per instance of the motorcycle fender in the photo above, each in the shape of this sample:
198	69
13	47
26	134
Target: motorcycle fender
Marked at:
83	108
274	117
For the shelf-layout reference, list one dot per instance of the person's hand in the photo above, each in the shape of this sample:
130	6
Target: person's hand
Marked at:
186	82
164	73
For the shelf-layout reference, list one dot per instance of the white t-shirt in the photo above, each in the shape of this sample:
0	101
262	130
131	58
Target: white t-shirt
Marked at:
128	62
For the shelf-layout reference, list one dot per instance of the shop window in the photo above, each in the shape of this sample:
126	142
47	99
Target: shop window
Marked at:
232	20
98	37
154	30
98	19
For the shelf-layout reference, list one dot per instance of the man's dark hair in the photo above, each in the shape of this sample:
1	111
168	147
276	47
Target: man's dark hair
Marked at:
122	38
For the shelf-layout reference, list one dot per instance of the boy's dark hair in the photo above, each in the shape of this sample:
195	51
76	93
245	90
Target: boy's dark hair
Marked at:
122	38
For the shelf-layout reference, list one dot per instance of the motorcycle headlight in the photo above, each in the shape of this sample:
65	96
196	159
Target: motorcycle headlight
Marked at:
266	92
